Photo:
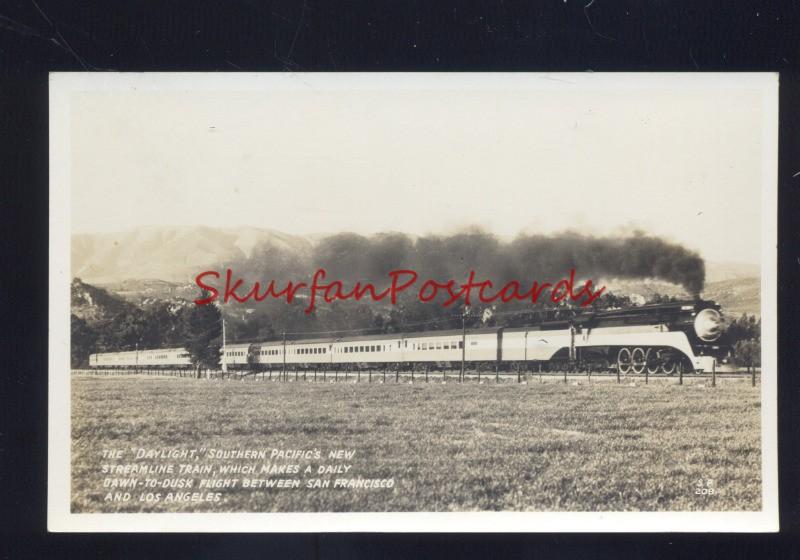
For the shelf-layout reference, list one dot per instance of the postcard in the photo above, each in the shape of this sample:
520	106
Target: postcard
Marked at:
485	302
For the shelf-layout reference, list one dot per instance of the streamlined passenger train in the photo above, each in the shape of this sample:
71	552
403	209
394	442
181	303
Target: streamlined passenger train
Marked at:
659	338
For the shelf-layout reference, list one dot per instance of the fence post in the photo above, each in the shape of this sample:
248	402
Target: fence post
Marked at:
426	374
753	377
618	381
714	373
680	373
540	372
646	374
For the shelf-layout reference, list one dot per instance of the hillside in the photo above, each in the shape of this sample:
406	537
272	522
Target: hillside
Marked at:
95	304
159	263
170	253
737	296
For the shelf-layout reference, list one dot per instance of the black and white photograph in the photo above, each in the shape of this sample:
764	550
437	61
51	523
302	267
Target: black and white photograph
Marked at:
413	302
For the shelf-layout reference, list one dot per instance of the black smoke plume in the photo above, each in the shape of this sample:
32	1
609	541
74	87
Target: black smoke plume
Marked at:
355	258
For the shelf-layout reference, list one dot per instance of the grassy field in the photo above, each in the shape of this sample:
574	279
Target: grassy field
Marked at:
452	447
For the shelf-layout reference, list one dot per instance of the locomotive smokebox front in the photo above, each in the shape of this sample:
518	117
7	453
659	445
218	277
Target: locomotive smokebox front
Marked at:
708	325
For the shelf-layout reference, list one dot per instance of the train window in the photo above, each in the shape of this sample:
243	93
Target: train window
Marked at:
438	345
460	344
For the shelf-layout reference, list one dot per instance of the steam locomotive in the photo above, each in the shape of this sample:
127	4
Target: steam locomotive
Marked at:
658	338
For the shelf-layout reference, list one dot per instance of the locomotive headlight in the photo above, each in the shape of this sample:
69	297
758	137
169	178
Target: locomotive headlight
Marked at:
708	325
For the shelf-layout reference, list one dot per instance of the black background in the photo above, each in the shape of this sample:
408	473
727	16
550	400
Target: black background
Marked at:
168	35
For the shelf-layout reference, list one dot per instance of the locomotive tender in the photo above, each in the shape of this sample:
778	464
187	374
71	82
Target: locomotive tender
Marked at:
658	338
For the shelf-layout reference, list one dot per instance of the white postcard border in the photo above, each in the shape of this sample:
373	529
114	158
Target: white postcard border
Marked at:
60	519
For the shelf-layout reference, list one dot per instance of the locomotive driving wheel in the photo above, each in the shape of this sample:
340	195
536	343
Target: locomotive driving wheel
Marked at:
668	366
624	361
653	360
638	360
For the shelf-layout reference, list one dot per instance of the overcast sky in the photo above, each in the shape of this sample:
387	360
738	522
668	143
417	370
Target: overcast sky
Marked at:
679	159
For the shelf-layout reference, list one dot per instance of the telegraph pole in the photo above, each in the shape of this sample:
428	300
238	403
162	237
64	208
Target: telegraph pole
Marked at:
463	342
224	360
284	356
525	344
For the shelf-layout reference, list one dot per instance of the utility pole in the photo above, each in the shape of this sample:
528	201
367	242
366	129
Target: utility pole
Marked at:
224	360
284	356
463	342
525	344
